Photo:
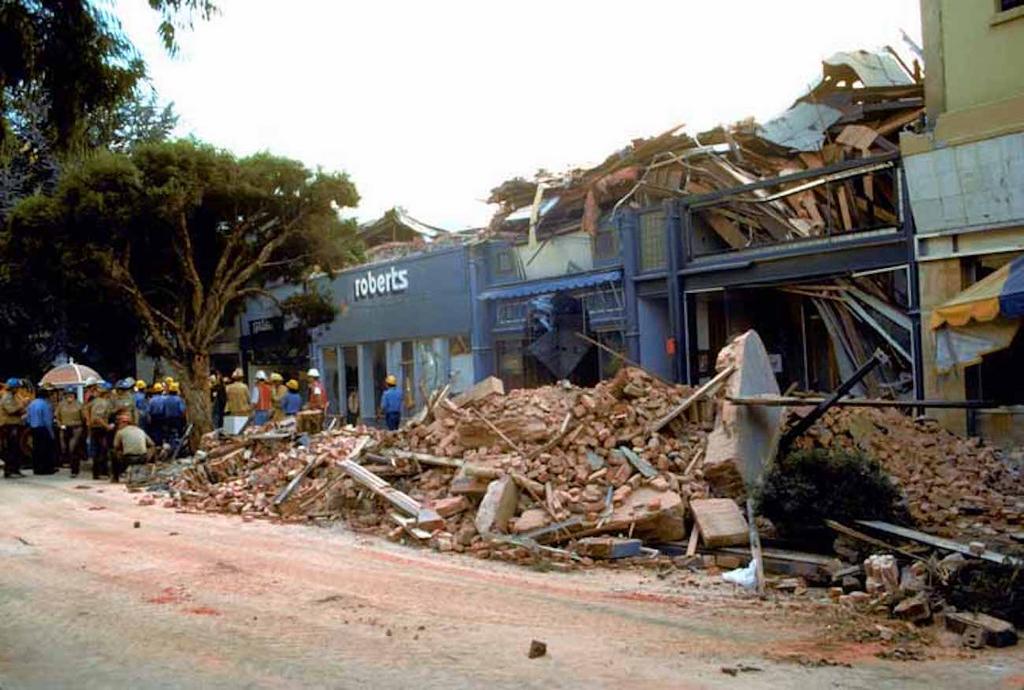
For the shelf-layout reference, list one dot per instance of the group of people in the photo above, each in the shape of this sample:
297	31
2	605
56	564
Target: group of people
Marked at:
271	399
112	424
119	424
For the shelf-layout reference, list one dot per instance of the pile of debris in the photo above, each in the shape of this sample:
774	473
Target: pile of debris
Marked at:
485	472
953	485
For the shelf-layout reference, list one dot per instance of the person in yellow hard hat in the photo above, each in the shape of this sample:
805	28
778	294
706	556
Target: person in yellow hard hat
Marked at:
291	403
391	403
174	414
278	390
157	413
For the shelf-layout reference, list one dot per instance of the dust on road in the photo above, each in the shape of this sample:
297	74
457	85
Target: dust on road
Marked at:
209	601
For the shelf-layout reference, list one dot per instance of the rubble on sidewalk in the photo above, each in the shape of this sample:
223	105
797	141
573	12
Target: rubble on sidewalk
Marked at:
952	485
616	474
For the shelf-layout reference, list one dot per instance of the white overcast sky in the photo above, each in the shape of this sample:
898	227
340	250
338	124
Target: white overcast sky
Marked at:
428	105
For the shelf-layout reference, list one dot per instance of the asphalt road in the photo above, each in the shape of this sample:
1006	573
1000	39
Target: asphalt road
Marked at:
87	600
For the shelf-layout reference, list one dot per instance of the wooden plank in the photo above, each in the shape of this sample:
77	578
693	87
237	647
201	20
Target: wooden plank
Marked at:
691	545
720	521
706	389
799	401
425	517
860	536
937	542
641	465
728	230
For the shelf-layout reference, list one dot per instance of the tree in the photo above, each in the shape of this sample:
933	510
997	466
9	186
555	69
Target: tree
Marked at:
184	233
73	55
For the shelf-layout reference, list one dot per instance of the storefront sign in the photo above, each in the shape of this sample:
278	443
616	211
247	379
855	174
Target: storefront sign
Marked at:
386	282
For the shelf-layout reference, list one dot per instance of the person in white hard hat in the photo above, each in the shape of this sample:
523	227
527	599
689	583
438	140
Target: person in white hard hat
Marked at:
237	394
316	396
262	399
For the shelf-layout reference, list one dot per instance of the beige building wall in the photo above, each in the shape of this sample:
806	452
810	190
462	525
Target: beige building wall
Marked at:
965	173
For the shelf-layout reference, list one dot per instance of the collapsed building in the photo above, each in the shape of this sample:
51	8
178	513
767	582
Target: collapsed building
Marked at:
799	227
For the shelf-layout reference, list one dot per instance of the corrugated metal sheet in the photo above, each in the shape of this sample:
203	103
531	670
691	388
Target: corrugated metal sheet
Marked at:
802	127
540	287
874	69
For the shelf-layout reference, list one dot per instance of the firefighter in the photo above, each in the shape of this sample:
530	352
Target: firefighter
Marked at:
71	424
291	403
157	406
141	404
174	414
39	417
124	400
237	395
277	393
131	446
11	411
262	399
316	396
391	403
97	415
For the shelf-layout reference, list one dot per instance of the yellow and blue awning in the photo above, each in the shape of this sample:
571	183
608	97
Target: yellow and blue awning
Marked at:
982	319
1000	294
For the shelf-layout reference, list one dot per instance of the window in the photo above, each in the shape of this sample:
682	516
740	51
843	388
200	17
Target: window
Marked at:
506	262
604	303
1006	11
512	313
653	250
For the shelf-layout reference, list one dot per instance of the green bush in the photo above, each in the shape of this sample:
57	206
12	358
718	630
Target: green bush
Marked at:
804	488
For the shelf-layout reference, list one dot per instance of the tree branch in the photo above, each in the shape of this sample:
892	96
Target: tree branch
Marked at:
190	266
150	315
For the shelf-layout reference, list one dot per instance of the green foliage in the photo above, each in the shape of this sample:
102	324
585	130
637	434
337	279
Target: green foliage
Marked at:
184	233
74	56
312	308
804	488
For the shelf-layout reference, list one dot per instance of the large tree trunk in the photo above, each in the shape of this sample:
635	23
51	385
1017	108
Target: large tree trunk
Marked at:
195	379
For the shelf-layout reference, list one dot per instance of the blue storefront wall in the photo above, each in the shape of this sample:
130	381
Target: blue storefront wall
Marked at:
422	300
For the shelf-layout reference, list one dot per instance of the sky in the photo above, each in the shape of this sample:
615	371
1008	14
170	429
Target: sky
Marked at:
429	105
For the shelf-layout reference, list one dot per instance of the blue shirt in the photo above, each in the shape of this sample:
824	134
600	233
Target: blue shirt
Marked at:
174	407
141	403
391	401
157	406
291	403
40	414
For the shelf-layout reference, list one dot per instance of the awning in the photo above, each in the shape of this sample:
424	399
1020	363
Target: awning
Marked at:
542	287
999	294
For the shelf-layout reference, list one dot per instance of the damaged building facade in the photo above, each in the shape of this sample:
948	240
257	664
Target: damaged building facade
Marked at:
797	228
814	228
965	176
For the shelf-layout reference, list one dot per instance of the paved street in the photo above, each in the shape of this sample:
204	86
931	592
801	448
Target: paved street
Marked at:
89	601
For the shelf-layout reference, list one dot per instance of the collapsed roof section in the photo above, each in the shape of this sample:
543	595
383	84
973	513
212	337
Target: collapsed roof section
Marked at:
854	112
396	234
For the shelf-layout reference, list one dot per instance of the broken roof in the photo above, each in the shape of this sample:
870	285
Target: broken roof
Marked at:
871	92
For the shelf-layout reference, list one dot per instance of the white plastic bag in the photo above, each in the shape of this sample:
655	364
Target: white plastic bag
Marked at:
744	577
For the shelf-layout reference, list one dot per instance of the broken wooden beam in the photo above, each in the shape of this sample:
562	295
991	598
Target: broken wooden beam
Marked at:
707	389
936	542
798	401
